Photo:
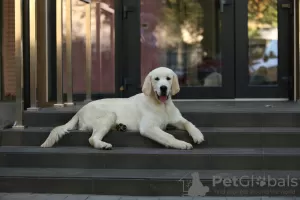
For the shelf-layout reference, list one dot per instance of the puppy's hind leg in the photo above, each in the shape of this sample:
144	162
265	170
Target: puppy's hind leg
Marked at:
101	126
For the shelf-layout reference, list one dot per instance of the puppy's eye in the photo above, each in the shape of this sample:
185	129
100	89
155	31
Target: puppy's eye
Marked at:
157	79
168	78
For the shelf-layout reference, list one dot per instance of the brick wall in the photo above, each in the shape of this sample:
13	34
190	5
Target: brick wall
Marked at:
8	47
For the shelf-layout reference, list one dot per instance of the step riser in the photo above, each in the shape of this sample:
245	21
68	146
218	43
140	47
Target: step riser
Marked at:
131	139
151	161
133	187
41	119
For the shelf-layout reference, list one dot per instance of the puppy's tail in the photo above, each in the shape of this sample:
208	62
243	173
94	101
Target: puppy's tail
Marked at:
60	131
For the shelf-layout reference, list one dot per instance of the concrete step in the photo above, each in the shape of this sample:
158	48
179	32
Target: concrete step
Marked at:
233	137
37	196
212	118
149	182
152	158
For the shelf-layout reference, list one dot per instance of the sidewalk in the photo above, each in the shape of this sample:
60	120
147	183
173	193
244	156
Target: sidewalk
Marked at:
27	196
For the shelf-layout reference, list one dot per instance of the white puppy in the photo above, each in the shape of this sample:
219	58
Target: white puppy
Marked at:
149	113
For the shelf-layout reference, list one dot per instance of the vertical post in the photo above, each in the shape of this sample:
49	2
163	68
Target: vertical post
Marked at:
297	71
296	38
69	53
98	15
33	56
18	65
112	40
26	54
88	51
1	45
46	48
42	51
59	72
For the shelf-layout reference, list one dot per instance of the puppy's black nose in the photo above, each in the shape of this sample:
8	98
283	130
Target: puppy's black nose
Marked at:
163	88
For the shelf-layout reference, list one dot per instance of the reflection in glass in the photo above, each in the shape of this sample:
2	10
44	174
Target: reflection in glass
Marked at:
103	46
184	36
263	42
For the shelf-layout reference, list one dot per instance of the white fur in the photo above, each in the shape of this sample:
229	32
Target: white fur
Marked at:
142	112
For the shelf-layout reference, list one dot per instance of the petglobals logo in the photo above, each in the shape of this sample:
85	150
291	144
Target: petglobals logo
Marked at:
255	181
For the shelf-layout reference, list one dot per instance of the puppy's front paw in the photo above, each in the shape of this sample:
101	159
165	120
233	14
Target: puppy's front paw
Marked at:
98	144
179	144
102	145
197	136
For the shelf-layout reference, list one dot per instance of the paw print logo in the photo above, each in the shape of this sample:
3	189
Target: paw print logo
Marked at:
261	182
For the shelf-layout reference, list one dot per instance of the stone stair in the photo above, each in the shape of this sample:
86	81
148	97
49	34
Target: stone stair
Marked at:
244	141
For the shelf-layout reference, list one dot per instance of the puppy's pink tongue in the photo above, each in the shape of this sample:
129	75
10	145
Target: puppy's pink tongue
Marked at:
163	99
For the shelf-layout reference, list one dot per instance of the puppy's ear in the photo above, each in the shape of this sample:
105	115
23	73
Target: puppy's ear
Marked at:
147	86
175	88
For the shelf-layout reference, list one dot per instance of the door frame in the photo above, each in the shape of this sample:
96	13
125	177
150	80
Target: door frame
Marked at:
127	48
284	75
132	26
1	50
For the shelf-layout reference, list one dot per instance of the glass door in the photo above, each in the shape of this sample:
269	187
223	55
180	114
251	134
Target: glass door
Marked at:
195	38
104	72
264	51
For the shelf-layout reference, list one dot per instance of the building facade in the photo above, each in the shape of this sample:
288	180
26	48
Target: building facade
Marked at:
231	49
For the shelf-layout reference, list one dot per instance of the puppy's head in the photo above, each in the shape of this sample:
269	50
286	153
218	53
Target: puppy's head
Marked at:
161	83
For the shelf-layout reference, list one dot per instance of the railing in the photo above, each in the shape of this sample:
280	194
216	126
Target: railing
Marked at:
19	64
59	54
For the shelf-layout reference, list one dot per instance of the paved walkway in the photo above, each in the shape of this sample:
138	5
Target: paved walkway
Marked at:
28	196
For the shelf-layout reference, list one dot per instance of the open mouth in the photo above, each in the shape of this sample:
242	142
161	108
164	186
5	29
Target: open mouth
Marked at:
162	98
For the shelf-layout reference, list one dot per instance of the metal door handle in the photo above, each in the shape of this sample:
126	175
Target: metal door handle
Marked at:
224	3
126	10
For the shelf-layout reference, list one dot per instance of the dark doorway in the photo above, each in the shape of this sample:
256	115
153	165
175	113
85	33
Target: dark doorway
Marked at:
215	47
